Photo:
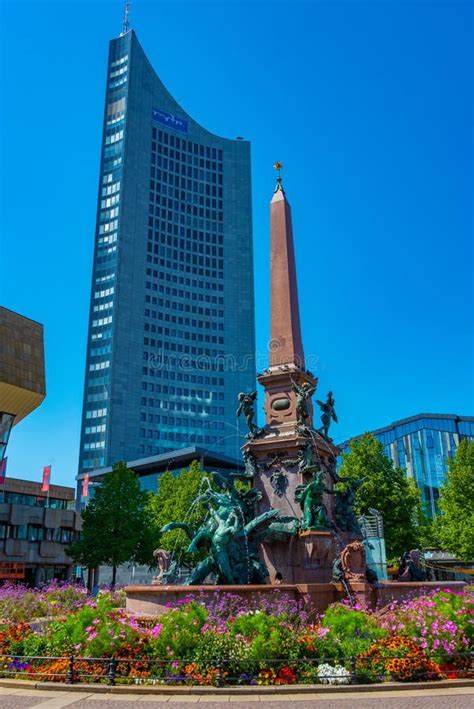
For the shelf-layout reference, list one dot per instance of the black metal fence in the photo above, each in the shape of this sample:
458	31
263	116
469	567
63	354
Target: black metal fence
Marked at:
223	671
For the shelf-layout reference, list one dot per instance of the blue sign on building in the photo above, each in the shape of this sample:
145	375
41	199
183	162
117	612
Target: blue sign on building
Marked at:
169	120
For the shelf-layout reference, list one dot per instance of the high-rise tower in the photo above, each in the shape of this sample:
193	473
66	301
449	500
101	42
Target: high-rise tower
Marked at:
171	331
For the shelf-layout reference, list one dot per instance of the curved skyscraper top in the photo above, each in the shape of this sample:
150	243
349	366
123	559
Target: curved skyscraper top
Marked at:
171	332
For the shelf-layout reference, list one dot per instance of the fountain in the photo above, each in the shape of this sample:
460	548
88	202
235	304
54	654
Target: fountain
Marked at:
292	527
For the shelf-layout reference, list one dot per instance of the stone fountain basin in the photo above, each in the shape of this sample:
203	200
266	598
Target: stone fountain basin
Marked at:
154	600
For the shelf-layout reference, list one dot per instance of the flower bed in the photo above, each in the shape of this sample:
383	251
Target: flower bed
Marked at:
222	641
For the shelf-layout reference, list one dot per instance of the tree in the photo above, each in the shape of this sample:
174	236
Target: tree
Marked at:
455	523
175	501
386	489
113	523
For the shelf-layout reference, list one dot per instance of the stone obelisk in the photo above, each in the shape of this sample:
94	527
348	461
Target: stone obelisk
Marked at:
286	345
288	451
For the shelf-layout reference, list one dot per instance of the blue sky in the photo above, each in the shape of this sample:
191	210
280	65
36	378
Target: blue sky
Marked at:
369	107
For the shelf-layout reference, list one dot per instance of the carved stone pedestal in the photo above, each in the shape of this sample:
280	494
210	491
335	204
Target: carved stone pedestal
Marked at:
305	558
319	550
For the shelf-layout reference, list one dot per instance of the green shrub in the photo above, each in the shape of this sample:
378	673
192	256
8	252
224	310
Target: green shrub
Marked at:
33	645
98	629
351	632
268	637
178	633
216	648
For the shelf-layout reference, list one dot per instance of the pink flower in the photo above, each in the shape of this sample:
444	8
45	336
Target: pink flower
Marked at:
157	630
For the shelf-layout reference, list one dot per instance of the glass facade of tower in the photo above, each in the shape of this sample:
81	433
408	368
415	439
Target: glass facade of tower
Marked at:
422	445
171	333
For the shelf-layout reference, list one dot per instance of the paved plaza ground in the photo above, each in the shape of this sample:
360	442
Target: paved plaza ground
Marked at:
454	698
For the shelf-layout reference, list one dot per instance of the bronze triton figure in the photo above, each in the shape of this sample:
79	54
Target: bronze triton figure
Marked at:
310	498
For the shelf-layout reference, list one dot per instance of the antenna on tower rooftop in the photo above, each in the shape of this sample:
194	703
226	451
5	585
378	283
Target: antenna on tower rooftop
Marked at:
126	24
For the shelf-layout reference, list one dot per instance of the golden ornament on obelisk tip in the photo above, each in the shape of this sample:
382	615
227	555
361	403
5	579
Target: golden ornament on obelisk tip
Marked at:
278	166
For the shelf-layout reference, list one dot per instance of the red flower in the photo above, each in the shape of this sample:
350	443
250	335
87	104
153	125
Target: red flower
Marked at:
285	676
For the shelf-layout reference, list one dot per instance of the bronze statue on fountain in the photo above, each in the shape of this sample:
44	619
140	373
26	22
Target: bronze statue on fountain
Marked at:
231	534
303	396
328	415
246	406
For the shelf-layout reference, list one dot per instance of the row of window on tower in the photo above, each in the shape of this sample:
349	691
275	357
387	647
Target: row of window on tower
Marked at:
173	223
175	141
106	260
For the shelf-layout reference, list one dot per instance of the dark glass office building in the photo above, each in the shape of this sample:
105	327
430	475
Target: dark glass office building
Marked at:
422	445
171	337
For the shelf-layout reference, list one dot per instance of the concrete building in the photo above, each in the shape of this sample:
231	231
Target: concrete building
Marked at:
35	529
22	379
171	337
422	445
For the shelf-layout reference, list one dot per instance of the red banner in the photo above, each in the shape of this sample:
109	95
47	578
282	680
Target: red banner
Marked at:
3	470
46	478
85	486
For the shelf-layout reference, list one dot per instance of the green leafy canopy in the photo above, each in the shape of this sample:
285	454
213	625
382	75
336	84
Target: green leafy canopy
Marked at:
387	489
455	523
114	521
175	501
